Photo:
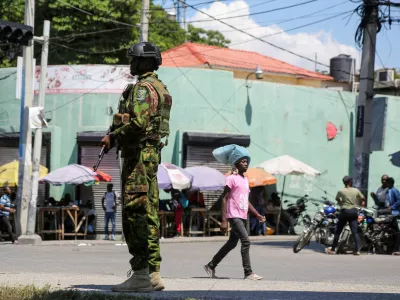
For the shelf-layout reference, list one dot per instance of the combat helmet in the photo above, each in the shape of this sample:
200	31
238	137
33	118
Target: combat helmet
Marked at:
145	50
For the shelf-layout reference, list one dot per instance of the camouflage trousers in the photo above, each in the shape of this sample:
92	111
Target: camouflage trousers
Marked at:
140	207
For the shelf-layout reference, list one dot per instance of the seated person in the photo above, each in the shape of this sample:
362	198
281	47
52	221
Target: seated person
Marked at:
179	202
91	214
258	202
274	204
196	198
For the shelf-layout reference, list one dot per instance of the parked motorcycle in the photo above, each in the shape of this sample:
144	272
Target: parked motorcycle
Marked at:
377	234
296	211
322	226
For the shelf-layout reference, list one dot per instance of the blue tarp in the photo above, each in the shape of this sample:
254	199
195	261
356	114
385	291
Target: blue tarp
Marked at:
230	154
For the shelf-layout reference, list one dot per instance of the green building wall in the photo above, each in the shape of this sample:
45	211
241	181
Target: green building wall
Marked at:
280	119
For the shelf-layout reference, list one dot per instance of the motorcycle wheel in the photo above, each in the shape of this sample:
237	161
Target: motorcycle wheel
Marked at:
344	240
303	240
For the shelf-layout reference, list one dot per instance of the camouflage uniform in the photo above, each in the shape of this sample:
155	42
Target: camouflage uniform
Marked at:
140	142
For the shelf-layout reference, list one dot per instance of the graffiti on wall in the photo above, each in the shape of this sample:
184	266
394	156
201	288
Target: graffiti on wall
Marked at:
98	79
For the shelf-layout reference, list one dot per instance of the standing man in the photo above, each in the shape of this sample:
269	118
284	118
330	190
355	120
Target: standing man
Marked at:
380	195
110	209
393	197
235	205
144	110
5	210
348	199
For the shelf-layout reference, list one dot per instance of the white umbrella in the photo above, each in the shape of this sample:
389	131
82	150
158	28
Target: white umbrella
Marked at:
287	165
71	174
171	176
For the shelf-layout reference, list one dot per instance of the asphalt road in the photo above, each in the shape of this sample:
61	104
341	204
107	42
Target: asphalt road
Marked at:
309	274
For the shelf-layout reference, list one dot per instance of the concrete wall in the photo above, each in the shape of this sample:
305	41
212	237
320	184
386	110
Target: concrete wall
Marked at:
280	119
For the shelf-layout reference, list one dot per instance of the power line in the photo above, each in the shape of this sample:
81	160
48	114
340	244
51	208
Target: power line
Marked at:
255	37
90	52
268	43
71	36
209	2
248	15
90	14
192	6
305	25
250	6
242	42
313	14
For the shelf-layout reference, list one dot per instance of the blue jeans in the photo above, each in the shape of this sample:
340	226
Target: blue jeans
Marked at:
109	216
238	232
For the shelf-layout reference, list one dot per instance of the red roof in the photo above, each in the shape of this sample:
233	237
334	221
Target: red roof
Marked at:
197	55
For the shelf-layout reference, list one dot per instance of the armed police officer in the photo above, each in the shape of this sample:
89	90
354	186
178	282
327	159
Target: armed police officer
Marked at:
142	121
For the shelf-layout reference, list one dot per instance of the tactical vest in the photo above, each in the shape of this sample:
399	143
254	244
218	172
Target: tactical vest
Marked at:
159	120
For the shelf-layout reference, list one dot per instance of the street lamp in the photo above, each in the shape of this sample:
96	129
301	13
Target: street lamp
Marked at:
259	75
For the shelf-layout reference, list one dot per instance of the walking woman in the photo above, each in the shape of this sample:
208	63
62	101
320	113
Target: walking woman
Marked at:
348	199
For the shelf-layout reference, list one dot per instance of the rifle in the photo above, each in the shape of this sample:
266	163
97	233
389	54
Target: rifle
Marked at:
104	150
101	155
114	126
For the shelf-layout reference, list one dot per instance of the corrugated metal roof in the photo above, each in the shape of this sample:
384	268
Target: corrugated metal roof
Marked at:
195	55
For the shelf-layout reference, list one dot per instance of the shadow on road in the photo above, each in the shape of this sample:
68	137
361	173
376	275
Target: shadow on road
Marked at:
267	295
289	245
204	277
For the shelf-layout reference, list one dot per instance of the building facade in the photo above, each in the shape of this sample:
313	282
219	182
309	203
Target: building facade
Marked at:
212	108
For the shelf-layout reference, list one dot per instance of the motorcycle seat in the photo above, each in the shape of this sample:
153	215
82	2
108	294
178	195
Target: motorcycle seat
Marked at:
385	219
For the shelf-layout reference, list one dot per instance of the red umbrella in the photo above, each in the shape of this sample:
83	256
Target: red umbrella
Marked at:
101	176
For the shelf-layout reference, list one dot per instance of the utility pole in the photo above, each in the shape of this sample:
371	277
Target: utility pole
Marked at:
25	138
364	100
37	147
144	26
178	11
185	25
316	61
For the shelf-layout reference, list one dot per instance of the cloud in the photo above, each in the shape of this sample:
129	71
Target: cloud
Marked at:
302	43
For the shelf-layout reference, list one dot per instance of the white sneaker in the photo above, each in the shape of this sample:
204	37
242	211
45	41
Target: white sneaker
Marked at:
113	238
210	272
253	276
106	238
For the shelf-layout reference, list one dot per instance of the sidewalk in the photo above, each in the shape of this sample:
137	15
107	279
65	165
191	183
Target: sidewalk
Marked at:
166	241
221	289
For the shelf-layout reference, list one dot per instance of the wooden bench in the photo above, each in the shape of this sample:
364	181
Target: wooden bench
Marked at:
163	216
56	211
214	220
276	212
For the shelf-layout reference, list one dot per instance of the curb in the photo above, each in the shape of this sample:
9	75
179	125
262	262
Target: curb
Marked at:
180	240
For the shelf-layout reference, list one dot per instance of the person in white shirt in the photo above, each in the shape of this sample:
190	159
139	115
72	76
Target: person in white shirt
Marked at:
109	203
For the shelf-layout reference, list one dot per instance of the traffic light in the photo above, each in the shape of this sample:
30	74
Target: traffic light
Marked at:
15	33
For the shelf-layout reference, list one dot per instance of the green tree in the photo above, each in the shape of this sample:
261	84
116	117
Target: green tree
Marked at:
71	43
209	37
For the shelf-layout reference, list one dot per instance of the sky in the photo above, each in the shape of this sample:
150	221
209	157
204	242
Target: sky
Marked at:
331	35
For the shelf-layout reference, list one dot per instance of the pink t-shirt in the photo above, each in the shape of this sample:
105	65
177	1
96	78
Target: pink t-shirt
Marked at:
237	204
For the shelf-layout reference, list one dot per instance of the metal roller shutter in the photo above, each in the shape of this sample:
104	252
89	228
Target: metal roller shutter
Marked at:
8	154
110	165
202	156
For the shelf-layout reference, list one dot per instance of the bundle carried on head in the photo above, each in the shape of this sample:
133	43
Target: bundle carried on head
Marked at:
231	154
